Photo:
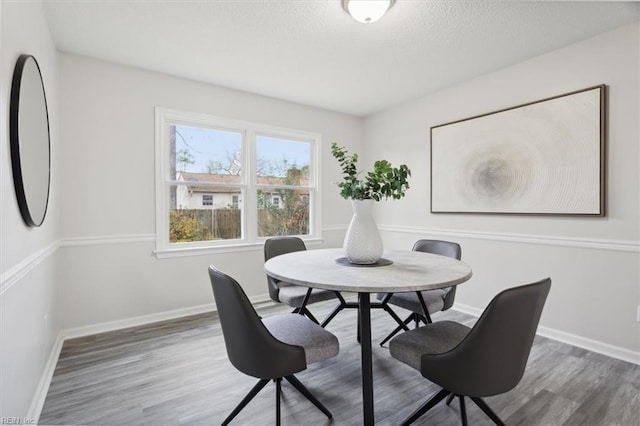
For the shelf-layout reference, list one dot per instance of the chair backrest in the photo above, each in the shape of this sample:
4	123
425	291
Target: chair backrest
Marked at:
492	357
443	248
251	348
275	247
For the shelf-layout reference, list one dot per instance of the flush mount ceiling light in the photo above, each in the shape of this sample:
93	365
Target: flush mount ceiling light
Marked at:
367	11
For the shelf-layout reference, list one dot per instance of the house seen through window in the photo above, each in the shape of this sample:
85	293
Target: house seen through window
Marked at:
207	199
275	200
221	181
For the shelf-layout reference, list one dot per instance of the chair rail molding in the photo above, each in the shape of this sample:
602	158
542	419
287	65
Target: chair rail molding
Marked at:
108	239
628	246
17	272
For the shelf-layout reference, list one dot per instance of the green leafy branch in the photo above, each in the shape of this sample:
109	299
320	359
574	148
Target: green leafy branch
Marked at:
385	181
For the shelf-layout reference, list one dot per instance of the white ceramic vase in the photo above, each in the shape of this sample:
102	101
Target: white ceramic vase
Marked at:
362	244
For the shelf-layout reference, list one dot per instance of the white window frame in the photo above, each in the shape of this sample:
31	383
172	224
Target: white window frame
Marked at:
209	198
164	118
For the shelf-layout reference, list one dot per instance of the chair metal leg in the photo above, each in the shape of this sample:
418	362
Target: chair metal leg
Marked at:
402	325
332	315
303	306
450	398
305	312
396	318
423	319
304	391
488	411
397	329
425	311
463	410
302	309
393	333
426	407
253	392
384	304
309	315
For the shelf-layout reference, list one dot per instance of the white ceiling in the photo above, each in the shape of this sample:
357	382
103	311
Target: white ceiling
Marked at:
313	53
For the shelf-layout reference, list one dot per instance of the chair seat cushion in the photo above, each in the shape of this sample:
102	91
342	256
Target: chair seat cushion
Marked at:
435	338
293	295
434	299
298	330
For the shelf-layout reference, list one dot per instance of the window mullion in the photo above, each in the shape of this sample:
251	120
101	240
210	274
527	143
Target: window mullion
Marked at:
195	194
251	196
315	219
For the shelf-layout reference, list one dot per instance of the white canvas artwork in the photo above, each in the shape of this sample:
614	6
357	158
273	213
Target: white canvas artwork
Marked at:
544	157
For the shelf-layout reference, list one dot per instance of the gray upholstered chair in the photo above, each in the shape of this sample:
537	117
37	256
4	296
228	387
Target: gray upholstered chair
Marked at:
434	300
486	360
298	297
270	348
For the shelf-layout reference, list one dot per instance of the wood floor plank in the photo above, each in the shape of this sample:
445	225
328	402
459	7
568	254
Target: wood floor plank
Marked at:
177	373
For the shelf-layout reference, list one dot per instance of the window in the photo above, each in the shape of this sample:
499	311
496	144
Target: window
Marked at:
206	165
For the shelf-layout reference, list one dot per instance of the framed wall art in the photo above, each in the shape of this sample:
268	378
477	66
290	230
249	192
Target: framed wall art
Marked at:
544	158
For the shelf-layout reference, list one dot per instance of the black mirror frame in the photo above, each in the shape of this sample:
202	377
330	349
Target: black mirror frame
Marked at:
14	131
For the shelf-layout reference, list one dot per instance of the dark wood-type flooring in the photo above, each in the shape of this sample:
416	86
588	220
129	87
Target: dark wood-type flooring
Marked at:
177	372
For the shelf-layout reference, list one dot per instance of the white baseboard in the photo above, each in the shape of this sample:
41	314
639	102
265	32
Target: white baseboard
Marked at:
45	380
570	339
258	302
72	333
37	403
466	309
591	345
263	301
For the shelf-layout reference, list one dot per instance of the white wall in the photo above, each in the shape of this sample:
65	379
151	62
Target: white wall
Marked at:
28	325
593	261
107	269
102	199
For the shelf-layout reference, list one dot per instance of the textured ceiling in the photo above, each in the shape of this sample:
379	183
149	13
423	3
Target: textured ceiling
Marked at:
313	53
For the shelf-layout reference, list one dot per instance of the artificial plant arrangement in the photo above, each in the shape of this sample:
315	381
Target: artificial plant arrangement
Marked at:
383	182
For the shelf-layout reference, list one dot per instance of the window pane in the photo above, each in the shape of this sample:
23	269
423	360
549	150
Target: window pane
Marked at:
191	218
205	154
285	159
283	211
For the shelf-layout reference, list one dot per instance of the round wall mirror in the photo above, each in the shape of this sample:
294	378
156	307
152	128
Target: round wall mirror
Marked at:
30	143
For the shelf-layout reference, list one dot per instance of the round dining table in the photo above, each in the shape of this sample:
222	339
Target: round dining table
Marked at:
397	271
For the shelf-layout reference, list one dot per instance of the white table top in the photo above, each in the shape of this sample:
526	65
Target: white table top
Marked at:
410	271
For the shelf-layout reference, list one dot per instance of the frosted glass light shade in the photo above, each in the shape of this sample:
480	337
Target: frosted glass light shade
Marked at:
367	11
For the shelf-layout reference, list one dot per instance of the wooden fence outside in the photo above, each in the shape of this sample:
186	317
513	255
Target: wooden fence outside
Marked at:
202	224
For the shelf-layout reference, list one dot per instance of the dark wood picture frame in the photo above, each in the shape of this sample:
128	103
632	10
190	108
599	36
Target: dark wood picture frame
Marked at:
545	157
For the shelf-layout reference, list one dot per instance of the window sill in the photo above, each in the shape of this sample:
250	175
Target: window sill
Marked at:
230	248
